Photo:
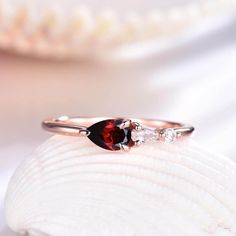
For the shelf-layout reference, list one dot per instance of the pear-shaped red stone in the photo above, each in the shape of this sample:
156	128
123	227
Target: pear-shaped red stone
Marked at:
108	135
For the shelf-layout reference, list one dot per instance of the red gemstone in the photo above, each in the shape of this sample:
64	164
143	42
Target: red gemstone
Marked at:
108	135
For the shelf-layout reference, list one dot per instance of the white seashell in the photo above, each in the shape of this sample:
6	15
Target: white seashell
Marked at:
72	187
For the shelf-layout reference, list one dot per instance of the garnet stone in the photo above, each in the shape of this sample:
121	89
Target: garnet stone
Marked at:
109	134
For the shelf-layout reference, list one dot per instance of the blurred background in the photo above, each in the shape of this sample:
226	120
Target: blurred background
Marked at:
177	63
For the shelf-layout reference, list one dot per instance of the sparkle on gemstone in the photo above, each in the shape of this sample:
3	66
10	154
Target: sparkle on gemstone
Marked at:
169	135
144	135
137	135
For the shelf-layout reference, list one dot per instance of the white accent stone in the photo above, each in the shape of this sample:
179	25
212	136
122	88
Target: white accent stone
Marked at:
151	135
145	135
137	135
169	135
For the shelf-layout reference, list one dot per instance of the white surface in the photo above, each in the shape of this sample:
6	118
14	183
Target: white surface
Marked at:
192	81
70	187
120	7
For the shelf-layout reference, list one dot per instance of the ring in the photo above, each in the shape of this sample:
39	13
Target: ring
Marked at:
118	133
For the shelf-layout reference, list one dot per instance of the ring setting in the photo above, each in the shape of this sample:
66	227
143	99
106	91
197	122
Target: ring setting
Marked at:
116	134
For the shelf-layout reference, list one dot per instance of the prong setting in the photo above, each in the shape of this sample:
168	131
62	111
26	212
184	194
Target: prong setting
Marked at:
125	124
84	132
124	147
137	126
138	143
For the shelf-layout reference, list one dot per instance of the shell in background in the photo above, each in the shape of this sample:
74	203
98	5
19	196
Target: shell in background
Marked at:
69	29
71	187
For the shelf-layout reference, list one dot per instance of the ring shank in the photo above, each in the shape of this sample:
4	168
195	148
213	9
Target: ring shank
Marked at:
74	126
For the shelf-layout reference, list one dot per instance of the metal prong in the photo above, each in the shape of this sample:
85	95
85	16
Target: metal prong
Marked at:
84	132
125	124
178	134
125	147
137	126
138	143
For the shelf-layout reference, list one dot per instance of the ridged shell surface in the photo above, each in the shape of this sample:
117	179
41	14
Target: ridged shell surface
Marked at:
70	187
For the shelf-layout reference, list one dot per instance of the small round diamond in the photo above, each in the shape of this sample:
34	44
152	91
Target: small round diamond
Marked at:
169	135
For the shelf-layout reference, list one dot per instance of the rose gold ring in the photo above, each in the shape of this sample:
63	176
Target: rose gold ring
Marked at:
118	133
